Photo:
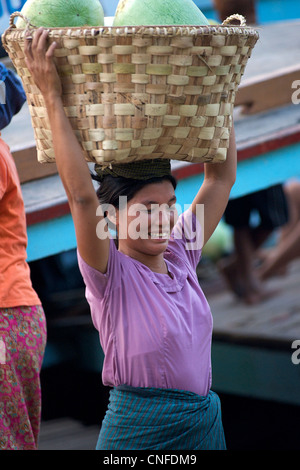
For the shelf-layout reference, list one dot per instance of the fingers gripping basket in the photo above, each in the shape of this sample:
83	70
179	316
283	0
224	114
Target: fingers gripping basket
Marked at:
133	93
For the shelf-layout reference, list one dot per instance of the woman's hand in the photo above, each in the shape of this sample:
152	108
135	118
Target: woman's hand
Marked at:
40	63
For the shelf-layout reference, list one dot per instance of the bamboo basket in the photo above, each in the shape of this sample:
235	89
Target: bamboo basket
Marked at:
133	93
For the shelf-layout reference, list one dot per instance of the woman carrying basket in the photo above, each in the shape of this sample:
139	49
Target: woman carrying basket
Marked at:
154	322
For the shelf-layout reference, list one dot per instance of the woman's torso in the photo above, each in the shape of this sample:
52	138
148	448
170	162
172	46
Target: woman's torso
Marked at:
155	330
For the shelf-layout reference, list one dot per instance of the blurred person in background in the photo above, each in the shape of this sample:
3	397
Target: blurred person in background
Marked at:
22	319
240	270
275	261
226	8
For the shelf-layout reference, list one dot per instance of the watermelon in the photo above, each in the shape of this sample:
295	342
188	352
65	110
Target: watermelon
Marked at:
62	13
158	12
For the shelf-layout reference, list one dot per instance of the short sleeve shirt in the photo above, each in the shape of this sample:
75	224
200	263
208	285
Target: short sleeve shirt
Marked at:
15	283
155	330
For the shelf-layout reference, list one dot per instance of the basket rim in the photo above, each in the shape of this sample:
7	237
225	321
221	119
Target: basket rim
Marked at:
143	30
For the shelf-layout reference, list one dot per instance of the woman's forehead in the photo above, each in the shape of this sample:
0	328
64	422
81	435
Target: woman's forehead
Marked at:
156	193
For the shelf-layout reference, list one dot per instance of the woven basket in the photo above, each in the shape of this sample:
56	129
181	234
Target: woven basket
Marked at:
133	93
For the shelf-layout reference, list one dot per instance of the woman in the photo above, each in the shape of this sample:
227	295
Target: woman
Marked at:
22	319
154	323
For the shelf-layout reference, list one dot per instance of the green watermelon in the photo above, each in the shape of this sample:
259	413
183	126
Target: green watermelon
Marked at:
158	12
62	13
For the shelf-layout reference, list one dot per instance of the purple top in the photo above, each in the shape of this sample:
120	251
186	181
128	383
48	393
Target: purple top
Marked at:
155	330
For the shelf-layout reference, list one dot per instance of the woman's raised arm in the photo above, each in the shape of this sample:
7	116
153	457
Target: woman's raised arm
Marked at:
71	165
215	190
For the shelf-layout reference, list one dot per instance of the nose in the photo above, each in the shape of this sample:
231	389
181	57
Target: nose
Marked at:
162	218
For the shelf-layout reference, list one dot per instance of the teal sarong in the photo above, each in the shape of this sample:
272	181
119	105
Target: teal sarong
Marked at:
161	419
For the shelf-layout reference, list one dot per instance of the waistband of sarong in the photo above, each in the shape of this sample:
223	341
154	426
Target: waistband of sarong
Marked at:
164	393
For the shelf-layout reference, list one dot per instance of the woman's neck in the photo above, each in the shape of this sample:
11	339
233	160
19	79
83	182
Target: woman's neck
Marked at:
155	263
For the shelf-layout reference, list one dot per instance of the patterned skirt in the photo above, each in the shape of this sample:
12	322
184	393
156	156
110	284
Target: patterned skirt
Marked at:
161	419
22	346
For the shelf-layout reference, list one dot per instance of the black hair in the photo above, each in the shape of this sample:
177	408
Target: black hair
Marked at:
111	188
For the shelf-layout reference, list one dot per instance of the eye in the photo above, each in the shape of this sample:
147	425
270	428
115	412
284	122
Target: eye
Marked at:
172	208
144	212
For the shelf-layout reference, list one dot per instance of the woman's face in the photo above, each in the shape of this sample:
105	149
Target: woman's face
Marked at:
146	221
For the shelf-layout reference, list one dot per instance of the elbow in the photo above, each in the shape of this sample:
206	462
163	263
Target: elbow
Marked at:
232	180
228	185
81	199
226	179
229	182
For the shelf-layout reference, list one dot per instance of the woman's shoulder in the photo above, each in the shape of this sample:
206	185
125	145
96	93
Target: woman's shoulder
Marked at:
96	281
186	240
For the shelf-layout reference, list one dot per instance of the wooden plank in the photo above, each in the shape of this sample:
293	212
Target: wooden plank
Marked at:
29	168
268	90
67	434
278	47
274	323
19	135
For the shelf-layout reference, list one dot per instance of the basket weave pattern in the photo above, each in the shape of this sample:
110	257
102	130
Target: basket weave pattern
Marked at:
134	93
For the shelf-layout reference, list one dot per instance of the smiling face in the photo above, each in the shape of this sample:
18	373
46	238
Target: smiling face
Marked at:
145	224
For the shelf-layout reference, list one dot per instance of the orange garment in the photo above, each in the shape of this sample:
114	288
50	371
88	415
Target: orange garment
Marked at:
15	283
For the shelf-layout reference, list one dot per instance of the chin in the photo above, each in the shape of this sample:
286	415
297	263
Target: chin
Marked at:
158	245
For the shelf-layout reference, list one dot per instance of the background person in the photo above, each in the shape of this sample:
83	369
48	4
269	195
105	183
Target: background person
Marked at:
239	269
22	321
276	260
